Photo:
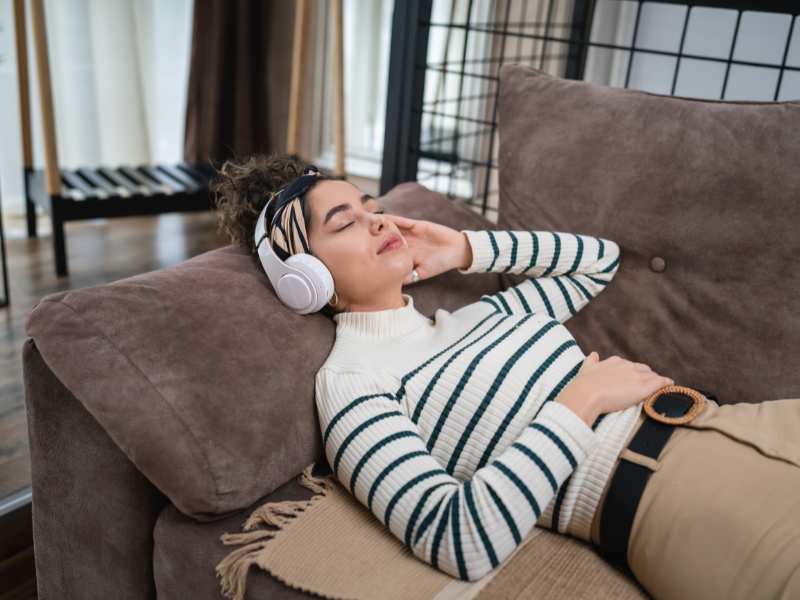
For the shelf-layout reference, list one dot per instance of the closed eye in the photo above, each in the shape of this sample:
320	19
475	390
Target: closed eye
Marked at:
377	212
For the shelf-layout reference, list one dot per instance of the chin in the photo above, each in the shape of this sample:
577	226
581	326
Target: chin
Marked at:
391	271
397	259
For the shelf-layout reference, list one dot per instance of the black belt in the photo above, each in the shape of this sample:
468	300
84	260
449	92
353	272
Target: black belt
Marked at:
629	480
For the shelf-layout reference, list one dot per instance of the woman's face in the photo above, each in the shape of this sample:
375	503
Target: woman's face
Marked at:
346	234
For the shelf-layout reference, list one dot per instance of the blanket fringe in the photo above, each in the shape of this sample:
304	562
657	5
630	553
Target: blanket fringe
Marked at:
232	570
316	484
230	539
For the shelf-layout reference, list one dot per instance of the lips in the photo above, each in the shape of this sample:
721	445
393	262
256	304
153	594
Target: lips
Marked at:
391	242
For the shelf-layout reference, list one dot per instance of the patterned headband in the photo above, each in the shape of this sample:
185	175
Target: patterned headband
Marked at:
287	228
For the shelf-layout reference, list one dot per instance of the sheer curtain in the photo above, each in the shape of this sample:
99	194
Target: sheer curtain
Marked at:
367	33
119	72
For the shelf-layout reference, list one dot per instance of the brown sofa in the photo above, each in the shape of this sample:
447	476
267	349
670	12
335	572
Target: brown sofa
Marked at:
162	407
161	410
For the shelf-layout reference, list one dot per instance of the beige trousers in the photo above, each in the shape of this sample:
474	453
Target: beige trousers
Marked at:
720	514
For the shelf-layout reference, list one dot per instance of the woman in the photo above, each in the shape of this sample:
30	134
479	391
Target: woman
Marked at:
462	431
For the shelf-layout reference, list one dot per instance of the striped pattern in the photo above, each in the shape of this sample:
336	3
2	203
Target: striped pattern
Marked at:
565	270
464	528
287	227
462	450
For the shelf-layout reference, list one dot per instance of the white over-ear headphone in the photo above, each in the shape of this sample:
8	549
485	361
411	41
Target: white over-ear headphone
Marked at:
302	281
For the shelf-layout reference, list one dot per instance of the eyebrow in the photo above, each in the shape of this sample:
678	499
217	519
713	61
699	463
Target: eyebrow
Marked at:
340	207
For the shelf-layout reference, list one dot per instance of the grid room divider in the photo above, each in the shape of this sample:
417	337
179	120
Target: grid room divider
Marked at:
441	114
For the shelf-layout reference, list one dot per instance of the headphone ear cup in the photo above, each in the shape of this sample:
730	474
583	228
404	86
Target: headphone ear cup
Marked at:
317	274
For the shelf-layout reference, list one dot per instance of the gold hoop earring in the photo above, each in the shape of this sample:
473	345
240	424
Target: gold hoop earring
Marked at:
334	303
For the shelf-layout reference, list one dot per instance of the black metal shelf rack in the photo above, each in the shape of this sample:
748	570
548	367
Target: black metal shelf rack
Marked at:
104	192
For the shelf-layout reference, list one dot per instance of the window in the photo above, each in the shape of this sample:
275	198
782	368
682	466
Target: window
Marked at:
367	32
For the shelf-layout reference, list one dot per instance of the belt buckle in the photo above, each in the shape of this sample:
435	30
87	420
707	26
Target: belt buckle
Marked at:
699	402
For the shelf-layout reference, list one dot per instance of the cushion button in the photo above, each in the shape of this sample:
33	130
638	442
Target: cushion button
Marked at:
658	264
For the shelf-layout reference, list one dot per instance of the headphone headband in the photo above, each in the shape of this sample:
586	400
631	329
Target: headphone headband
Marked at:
300	280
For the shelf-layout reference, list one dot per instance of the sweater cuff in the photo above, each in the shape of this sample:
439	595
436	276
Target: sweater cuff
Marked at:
572	429
482	252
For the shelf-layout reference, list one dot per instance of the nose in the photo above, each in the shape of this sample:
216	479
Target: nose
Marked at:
377	222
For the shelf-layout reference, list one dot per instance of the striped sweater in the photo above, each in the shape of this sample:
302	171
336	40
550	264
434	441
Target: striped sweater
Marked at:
445	428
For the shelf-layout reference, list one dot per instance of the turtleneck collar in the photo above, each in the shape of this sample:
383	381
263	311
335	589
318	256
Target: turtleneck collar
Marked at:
390	322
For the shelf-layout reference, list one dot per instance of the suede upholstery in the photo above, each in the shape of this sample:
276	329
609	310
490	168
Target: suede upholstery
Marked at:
701	196
181	545
93	510
157	420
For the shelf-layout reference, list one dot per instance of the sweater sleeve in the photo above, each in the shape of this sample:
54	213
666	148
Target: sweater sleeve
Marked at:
462	527
565	270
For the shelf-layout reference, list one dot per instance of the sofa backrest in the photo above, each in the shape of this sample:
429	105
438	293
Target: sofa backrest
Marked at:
703	198
187	370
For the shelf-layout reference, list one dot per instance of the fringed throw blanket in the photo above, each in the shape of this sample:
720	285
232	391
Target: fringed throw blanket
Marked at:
332	546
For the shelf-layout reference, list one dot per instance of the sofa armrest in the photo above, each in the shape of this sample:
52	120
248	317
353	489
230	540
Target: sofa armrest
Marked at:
93	511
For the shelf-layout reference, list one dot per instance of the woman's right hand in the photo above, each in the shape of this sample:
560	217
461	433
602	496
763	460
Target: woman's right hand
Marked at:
603	386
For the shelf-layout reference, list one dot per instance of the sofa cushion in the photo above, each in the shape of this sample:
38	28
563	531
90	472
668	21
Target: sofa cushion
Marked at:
701	196
186	370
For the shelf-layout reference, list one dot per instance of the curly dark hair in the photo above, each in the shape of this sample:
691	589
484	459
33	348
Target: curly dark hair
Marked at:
241	188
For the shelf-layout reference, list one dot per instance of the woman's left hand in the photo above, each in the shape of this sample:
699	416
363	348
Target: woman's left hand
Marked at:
435	248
